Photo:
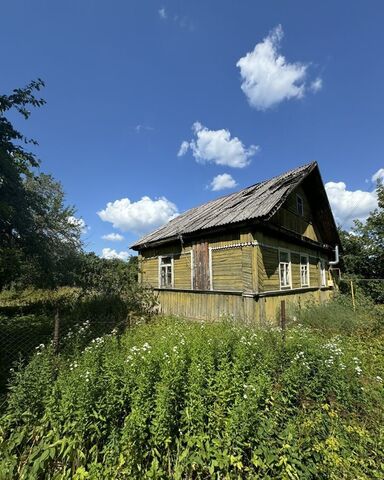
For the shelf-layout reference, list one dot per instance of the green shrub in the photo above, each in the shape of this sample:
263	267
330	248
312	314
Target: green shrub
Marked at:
192	400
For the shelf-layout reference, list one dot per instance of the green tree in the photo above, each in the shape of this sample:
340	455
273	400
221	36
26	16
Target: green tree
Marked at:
16	163
54	247
39	236
364	250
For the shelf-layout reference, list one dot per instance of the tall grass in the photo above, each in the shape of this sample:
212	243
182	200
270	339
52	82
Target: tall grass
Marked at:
184	400
340	316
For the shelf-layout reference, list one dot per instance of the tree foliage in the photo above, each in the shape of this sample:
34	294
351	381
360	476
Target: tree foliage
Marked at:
37	236
364	250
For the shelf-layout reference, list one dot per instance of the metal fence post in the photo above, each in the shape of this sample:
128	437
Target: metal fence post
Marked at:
56	333
353	296
282	317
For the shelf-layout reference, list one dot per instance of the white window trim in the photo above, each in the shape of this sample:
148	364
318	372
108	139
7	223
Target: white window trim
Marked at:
286	287
308	273
302	205
323	274
210	268
172	270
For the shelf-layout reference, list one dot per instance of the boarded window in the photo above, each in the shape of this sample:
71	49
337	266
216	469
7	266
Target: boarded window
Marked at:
201	280
182	271
295	270
268	267
314	271
227	269
150	271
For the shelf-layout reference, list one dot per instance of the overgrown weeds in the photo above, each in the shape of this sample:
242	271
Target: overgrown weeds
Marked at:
340	316
27	319
184	400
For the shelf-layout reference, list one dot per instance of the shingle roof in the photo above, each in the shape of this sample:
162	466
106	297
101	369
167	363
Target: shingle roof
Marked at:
259	201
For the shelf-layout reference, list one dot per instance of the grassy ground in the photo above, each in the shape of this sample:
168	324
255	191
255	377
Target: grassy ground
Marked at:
184	400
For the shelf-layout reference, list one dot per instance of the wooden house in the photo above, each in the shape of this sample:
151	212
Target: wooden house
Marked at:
241	254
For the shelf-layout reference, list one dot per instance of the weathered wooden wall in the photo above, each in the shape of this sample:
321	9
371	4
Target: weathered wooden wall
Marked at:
216	305
182	270
227	269
207	306
201	274
267	253
238	263
288	217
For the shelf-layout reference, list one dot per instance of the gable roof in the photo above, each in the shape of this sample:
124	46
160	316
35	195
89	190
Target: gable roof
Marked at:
259	201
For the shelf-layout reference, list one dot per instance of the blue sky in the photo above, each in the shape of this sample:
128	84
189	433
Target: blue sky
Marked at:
157	99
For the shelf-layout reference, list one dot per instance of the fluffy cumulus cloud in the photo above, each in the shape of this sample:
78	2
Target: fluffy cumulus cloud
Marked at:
268	79
111	254
138	217
220	182
348	205
113	237
217	146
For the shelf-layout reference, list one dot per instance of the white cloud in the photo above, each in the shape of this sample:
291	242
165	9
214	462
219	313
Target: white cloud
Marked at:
113	237
183	148
218	147
138	217
162	13
78	222
110	254
267	78
348	205
143	128
379	175
220	182
316	85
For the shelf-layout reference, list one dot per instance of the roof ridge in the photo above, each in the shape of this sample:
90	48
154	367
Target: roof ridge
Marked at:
234	207
258	184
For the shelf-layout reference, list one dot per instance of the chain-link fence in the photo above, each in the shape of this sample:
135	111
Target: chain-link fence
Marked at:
21	337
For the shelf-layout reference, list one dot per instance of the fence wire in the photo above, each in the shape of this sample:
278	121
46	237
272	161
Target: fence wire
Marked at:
21	337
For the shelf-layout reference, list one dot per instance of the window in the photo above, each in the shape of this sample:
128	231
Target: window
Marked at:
285	269
323	274
300	205
166	272
304	271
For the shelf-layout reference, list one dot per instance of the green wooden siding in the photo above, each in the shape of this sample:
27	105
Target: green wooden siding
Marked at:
269	268
295	269
227	269
182	271
314	272
247	268
150	271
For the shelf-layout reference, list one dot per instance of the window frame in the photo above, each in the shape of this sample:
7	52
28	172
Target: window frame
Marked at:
323	274
306	269
171	264
289	263
300	201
